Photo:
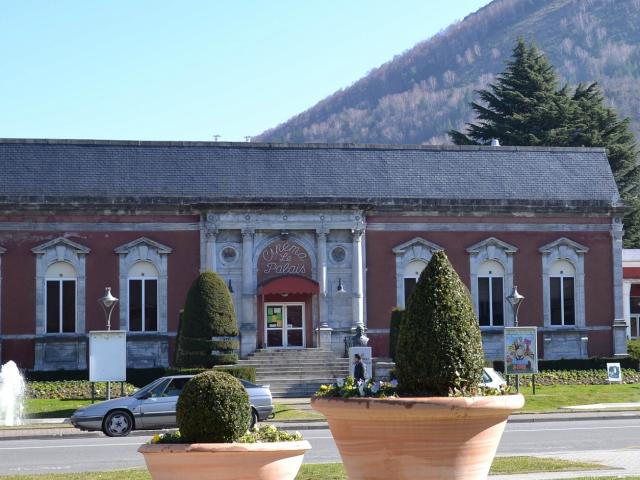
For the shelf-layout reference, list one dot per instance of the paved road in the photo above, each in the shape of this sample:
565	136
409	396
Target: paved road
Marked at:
87	454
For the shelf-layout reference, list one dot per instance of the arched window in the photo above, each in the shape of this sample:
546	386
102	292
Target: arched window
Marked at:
562	301
563	283
491	294
143	275
411	258
410	275
143	297
60	298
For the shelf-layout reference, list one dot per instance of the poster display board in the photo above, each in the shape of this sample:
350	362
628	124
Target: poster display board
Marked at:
108	356
520	350
614	372
365	355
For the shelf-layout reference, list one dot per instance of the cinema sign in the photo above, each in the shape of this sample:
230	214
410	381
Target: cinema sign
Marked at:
282	258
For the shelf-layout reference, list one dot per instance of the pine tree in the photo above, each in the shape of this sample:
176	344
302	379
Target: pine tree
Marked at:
525	107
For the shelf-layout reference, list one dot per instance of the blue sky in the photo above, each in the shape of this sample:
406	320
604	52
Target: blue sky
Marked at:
169	70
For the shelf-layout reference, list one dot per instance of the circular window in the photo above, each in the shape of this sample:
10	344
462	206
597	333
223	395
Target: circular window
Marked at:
228	255
338	254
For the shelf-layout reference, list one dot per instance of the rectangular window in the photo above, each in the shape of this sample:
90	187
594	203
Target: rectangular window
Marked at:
569	301
497	302
562	301
635	327
556	300
409	285
61	306
490	301
634	304
135	305
143	305
484	307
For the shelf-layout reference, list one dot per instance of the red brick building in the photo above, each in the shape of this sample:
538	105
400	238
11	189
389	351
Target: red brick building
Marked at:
313	241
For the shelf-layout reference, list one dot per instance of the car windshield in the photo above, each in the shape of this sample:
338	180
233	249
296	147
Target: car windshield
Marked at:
149	387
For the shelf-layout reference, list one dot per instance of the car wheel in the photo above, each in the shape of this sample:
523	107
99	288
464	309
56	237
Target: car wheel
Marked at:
254	419
117	424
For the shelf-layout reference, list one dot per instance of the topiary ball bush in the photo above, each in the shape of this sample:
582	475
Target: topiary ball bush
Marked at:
213	408
439	346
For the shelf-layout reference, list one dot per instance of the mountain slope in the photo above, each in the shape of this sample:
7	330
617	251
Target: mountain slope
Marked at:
418	96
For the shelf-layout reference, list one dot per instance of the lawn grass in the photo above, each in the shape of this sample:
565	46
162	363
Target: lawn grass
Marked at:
335	471
290	412
552	397
52	407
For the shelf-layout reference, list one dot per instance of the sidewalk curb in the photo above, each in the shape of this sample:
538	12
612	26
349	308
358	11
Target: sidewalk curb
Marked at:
30	434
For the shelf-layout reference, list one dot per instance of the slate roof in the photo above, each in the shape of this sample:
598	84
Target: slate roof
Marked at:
187	173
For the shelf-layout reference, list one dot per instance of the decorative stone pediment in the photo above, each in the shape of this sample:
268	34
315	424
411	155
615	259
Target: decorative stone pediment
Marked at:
492	243
416	247
61	244
143	244
563	244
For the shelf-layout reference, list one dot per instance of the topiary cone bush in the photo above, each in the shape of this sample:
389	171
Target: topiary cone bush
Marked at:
439	345
213	408
394	331
208	330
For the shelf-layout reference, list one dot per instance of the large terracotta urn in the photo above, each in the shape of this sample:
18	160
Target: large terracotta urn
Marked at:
430	438
224	461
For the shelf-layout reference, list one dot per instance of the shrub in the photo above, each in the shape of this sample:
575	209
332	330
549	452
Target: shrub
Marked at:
207	334
213	408
439	348
394	331
633	347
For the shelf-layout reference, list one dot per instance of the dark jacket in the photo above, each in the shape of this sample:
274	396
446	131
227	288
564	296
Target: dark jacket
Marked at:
358	371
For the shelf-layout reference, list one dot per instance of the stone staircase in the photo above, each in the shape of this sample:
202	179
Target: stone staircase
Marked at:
296	373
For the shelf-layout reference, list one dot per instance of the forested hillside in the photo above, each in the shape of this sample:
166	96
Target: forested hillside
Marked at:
420	95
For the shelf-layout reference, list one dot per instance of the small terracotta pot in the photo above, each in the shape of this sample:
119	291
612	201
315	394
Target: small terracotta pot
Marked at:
431	438
224	461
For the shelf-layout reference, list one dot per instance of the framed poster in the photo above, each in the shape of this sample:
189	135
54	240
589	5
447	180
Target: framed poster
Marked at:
108	356
520	350
614	372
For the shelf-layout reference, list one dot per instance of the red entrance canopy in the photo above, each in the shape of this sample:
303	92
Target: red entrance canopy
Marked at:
289	284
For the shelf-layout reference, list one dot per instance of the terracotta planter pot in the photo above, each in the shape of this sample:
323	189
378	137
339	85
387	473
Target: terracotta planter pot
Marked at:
408	438
225	461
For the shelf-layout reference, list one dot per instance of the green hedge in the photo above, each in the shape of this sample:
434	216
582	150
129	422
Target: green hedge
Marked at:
137	376
595	363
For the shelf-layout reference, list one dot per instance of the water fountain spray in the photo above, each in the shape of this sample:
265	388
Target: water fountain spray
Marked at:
12	389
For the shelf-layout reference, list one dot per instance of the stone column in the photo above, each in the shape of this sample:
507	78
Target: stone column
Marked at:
248	323
210	249
324	331
626	303
619	324
357	280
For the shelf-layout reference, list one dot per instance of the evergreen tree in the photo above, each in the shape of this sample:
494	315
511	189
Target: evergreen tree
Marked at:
207	334
525	107
439	347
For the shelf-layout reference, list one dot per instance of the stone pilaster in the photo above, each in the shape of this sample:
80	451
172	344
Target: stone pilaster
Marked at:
619	323
357	279
248	323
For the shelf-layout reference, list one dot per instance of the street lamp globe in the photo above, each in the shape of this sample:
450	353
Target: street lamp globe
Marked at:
108	303
515	299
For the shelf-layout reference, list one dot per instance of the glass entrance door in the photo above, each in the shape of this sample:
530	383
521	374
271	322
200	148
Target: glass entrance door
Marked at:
284	324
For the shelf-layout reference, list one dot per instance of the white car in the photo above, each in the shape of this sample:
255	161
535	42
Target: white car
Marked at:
491	378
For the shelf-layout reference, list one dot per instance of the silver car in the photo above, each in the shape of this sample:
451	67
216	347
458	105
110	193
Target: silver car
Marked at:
154	407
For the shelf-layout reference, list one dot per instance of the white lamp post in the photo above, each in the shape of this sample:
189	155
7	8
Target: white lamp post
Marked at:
515	299
108	303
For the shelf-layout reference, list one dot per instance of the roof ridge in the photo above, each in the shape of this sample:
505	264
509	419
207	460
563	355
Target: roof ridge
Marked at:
293	146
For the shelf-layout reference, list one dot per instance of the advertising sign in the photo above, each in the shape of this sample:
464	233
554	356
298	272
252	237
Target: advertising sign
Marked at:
614	372
108	356
520	350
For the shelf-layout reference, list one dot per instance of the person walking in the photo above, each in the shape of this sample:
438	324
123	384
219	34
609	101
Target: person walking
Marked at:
358	369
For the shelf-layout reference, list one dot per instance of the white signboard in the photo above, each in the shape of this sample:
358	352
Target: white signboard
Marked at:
614	372
108	356
365	355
